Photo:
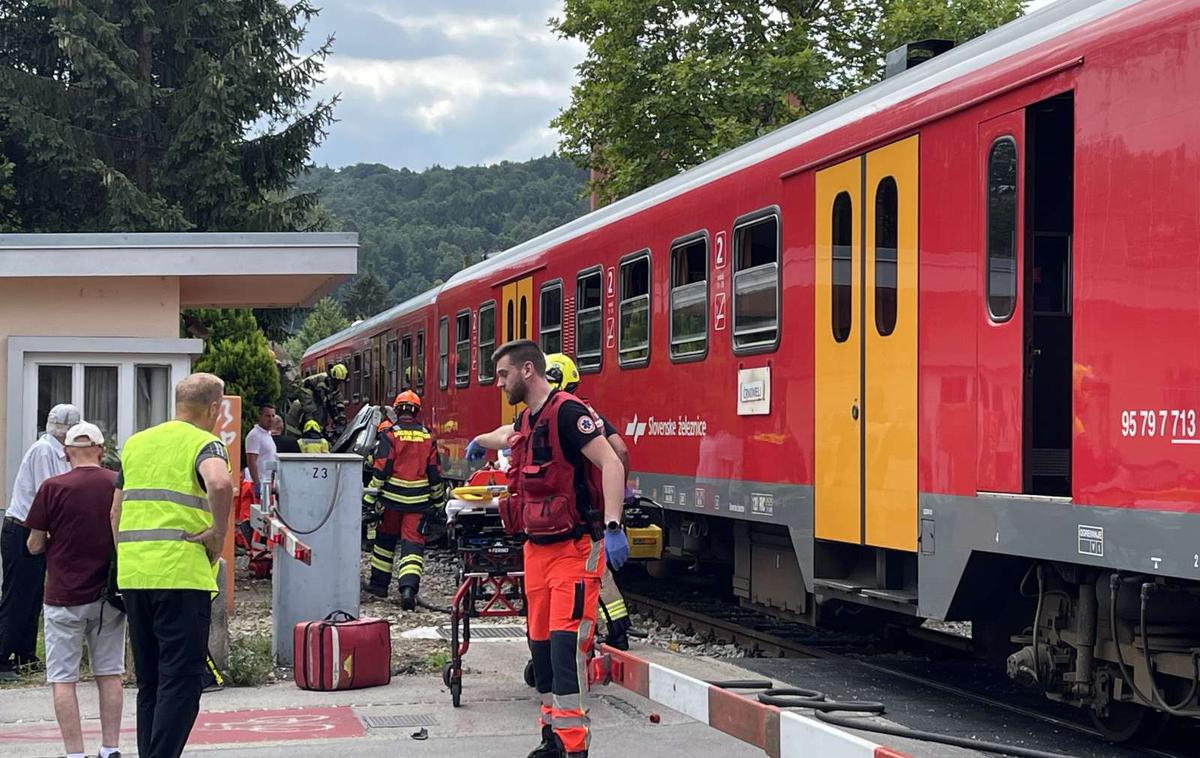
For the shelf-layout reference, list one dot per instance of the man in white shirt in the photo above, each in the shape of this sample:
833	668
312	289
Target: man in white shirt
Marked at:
25	573
260	449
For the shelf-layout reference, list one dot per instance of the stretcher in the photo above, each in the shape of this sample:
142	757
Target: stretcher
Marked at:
491	576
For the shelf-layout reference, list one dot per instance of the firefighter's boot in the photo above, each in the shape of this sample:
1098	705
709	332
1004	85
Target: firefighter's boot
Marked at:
408	599
551	747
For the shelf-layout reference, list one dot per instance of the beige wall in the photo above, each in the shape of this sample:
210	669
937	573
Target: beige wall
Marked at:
95	307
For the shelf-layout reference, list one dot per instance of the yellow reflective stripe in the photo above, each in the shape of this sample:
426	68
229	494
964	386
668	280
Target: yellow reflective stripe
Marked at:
412	559
384	553
386	567
409	482
410	571
615	607
410	435
406	499
167	496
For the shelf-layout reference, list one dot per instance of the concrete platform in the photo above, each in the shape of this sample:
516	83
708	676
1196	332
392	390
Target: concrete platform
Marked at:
497	718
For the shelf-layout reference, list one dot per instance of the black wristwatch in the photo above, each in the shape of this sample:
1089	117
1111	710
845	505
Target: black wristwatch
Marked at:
614	526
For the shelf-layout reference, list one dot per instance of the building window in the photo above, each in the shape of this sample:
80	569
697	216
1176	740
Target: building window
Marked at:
54	388
842	261
100	398
589	336
756	284
356	376
419	365
444	352
689	299
462	349
887	233
633	336
406	362
151	407
393	350
487	341
1002	229
550	318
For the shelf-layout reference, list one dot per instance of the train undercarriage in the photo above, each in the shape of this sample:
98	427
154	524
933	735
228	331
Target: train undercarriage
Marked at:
1052	624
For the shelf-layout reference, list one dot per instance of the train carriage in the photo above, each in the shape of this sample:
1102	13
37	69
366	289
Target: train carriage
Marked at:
931	350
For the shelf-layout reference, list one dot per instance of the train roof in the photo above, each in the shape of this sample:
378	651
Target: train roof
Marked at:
1017	36
368	326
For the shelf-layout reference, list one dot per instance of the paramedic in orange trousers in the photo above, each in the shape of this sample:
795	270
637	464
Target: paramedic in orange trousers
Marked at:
566	493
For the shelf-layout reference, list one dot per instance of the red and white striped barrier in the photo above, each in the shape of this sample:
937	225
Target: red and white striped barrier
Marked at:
275	532
779	733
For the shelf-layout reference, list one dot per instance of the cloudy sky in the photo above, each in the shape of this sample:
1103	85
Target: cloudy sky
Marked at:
449	82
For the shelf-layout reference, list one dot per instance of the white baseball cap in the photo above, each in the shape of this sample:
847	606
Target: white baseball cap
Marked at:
84	434
65	414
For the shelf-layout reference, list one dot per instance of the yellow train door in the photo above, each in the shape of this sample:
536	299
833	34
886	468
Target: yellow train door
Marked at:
516	323
866	349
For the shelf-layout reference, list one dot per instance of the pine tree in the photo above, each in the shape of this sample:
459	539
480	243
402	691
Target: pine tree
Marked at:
367	295
159	116
324	319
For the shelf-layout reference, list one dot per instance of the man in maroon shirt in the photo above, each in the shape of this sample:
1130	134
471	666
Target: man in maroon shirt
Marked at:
69	521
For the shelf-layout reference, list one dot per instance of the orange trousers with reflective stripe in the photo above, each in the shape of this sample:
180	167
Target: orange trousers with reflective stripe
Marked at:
562	585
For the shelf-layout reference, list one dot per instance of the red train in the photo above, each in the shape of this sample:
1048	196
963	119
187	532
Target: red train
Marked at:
932	350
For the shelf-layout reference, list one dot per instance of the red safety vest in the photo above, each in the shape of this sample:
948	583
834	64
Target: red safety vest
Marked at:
542	500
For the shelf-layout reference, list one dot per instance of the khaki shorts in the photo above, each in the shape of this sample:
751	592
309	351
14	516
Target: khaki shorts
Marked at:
66	628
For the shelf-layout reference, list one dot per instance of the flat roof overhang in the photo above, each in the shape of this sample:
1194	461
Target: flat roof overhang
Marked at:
225	270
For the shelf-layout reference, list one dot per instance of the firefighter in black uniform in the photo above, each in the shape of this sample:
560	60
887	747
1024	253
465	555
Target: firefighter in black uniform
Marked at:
407	475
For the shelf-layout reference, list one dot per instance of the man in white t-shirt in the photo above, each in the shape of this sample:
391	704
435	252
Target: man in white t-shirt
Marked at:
260	449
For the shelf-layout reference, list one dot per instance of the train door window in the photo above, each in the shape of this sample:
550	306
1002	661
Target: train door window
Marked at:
419	368
589	337
462	348
550	318
406	362
633	336
843	266
756	283
487	341
366	375
444	353
887	231
1002	229
393	358
689	298
510	332
524	322
356	376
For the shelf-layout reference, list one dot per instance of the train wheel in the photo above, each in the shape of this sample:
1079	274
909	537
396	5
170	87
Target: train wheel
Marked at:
1128	722
529	679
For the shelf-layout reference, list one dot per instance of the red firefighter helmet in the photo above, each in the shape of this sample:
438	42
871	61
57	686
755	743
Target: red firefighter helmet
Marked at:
407	399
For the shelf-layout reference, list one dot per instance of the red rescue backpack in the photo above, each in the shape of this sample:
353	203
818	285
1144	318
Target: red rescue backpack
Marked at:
542	500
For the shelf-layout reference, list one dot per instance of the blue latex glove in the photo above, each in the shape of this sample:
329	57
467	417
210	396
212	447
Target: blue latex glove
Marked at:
616	547
475	451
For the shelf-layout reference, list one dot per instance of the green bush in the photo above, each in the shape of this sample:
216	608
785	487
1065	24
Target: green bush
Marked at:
250	661
236	350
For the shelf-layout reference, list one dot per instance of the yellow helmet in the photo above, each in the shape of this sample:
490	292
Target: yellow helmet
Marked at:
312	426
339	372
562	372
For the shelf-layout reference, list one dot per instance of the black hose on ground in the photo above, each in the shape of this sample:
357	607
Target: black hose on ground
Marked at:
431	607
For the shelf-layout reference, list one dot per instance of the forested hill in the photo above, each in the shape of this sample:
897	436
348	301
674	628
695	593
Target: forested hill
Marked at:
416	228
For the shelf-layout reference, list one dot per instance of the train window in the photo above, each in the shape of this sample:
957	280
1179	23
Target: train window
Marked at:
356	376
393	357
487	341
756	284
406	369
550	318
588	332
633	336
1002	229
366	376
887	233
842	275
689	298
444	352
462	348
419	369
524	317
509	321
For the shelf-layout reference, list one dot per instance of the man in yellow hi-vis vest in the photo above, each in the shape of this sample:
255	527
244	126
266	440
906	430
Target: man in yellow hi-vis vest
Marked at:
170	514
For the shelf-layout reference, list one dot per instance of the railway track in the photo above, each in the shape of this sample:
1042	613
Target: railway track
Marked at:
766	636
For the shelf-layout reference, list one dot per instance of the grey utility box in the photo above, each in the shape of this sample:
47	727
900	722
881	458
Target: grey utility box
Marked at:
320	499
